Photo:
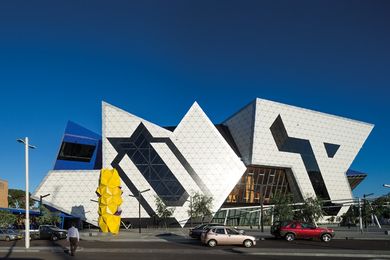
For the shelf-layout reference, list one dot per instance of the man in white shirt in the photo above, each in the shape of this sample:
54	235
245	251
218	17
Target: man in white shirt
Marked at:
73	238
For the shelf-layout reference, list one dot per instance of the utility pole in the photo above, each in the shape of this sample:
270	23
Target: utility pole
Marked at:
139	207
261	216
191	210
27	223
365	208
360	217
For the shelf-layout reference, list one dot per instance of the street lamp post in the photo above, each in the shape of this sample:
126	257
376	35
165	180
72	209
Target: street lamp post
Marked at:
190	201
40	202
360	216
261	212
27	223
261	209
365	208
191	210
139	207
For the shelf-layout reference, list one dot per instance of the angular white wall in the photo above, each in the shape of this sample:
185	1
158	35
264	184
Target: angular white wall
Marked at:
318	128
71	191
241	126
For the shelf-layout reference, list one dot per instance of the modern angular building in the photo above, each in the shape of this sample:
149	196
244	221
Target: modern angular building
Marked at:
266	149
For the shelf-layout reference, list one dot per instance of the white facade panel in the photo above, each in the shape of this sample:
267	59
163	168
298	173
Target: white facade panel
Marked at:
209	154
241	127
71	191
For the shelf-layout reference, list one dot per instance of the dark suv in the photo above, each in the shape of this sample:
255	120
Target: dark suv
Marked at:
49	232
291	230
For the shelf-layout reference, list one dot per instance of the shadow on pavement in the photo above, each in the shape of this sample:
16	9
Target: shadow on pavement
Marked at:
65	249
10	250
180	240
334	244
7	256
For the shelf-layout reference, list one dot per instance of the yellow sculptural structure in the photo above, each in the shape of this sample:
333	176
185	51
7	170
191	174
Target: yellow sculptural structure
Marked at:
110	199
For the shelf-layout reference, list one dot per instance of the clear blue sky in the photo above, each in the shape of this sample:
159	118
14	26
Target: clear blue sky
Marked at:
60	59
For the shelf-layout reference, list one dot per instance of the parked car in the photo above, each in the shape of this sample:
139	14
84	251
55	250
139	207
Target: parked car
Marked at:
220	235
291	230
197	231
49	232
9	234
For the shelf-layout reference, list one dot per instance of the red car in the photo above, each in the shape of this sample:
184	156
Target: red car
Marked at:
300	230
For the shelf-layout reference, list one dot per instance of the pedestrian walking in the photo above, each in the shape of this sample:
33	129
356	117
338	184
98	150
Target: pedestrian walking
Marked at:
73	238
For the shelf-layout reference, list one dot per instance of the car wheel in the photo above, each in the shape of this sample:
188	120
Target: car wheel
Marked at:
248	243
212	243
289	237
54	238
326	237
7	239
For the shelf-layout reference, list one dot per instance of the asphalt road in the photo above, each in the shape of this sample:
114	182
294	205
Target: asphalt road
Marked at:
191	249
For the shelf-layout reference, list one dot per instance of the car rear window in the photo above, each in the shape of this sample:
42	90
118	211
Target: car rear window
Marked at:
200	226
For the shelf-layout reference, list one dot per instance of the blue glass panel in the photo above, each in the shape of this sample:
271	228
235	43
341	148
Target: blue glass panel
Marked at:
68	159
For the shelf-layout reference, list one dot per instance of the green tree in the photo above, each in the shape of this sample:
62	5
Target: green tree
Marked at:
6	218
381	207
201	206
310	211
282	208
17	199
47	217
351	216
162	211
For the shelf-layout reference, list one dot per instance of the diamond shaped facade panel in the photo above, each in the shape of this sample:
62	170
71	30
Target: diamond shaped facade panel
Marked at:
215	163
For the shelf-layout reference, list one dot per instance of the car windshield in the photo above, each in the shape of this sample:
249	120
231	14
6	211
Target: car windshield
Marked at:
52	227
11	231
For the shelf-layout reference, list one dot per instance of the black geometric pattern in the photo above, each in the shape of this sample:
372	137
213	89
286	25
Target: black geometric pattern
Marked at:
139	149
302	147
331	149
